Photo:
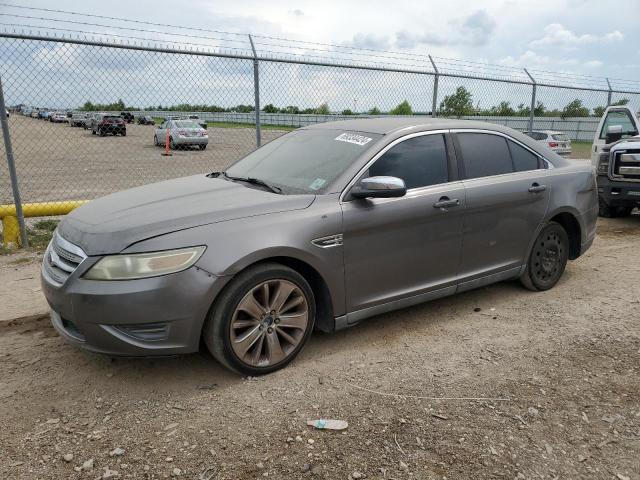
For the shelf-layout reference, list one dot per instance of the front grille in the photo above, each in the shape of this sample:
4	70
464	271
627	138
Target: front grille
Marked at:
626	166
61	259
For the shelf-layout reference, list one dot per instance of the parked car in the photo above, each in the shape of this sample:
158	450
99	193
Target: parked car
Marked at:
559	142
35	114
616	157
182	133
127	116
57	117
319	228
6	112
44	114
77	119
108	125
145	120
88	120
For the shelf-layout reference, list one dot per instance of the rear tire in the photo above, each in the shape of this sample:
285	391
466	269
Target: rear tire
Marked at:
548	258
269	334
172	145
155	141
605	210
202	147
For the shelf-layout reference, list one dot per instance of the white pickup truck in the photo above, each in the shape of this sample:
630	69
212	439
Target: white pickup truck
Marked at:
616	156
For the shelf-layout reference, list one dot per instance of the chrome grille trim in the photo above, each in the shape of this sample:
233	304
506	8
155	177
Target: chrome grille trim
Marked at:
61	259
625	166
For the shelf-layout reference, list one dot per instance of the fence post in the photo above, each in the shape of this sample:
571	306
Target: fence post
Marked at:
12	169
256	92
609	93
533	100
434	103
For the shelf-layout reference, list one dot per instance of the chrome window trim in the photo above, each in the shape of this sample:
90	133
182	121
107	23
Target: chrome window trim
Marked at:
383	151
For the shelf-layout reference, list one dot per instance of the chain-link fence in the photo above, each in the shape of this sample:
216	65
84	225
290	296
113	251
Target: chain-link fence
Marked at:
67	97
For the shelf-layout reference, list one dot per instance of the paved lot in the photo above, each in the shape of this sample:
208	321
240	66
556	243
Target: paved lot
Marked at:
559	372
57	162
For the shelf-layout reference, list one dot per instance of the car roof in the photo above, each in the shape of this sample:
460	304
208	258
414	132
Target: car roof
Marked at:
393	124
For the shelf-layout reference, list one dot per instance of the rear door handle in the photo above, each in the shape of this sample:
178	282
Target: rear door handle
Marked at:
446	202
535	188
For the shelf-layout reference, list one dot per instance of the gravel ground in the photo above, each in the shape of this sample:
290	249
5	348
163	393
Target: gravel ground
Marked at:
57	162
496	383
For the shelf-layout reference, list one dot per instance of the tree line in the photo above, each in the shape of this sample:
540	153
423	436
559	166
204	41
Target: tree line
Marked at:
458	104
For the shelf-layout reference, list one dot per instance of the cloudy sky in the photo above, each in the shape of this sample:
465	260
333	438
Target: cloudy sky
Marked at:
584	36
589	37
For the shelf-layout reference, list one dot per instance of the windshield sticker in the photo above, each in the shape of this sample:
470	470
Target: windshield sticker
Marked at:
318	183
353	138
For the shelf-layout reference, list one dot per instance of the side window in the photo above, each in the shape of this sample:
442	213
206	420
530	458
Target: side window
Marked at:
419	161
523	159
484	154
619	118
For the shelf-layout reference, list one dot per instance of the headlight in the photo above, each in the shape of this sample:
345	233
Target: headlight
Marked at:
144	265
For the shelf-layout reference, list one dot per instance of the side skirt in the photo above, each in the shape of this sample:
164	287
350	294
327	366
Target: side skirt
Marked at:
356	317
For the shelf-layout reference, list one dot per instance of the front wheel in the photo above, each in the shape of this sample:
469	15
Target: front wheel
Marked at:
262	320
548	258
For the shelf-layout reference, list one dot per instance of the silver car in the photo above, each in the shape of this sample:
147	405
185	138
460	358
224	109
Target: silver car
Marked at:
318	229
181	133
559	142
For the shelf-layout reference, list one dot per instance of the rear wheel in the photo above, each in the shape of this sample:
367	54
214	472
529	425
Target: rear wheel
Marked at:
202	147
155	141
172	145
548	258
262	320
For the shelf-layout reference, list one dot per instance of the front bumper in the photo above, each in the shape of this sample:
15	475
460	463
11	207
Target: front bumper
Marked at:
147	317
618	194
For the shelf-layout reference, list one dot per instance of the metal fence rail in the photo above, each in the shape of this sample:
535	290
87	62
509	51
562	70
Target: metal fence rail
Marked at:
247	96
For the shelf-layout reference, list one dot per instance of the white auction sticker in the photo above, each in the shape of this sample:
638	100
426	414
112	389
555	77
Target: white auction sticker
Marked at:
353	138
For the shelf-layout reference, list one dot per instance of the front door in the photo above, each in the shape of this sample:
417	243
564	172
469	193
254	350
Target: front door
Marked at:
401	247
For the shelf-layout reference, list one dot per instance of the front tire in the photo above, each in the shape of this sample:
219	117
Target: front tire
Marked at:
261	320
548	258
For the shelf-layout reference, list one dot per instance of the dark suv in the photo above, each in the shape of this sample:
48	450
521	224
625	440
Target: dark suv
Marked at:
109	124
127	116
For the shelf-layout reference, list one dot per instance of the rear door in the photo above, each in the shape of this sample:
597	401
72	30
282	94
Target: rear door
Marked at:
507	198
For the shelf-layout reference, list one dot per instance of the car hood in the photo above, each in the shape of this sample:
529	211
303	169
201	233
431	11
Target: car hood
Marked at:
110	224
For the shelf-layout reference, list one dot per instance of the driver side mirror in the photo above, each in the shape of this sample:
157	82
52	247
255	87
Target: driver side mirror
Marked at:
379	187
614	133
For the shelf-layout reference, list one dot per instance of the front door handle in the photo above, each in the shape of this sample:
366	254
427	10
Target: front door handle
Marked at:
446	202
536	187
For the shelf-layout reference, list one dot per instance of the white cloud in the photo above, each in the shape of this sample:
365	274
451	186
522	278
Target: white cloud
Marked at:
557	35
475	29
370	41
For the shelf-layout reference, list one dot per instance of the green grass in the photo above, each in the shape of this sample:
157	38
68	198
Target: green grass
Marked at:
39	235
580	149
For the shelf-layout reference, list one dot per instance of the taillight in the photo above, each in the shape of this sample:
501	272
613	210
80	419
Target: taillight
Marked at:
553	144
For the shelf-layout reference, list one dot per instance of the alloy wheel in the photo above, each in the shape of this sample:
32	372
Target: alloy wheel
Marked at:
269	323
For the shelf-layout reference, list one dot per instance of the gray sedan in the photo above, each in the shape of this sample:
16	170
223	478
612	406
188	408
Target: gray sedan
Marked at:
181	133
318	229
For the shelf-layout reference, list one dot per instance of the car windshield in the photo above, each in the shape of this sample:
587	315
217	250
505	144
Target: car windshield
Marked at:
304	161
186	124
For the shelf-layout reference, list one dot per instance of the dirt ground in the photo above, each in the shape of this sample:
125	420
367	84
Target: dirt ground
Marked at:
497	383
56	162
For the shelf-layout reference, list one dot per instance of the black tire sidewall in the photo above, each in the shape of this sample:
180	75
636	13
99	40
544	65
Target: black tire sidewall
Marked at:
216	332
551	227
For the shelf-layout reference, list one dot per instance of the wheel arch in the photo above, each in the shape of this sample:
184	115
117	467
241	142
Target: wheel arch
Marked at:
569	221
325	317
